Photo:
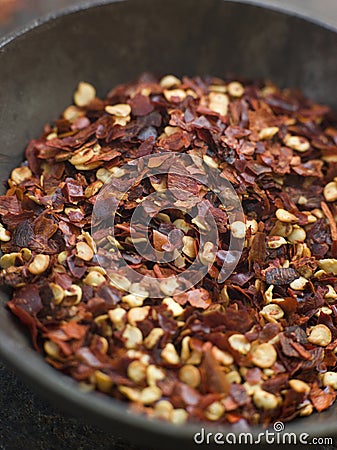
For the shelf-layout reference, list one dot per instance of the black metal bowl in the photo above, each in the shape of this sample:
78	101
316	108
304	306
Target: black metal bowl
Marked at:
111	42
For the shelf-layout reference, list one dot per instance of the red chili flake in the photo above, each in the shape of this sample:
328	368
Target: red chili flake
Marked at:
88	357
280	276
301	351
181	183
28	299
77	271
276	384
27	320
72	190
309	169
253	376
26	304
269	331
63	280
73	330
257	254
141	105
199	298
322	399
333	228
159	240
146	147
214	377
287	347
239	394
45	227
238	320
9	204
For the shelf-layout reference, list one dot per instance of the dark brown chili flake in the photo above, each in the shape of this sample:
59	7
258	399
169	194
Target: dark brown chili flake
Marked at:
280	276
258	346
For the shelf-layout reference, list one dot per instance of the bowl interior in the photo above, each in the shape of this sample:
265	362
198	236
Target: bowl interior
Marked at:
113	43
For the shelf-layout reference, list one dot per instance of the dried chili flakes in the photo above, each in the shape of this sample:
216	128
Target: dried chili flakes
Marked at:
256	347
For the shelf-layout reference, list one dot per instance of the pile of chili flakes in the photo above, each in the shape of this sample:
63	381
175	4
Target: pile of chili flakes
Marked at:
257	348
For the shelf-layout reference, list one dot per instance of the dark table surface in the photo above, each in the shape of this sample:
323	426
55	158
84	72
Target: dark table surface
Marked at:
26	420
29	422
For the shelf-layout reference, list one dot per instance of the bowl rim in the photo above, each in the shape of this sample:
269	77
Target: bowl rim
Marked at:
100	407
274	5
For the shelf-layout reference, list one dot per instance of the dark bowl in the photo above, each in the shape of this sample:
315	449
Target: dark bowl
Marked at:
113	42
